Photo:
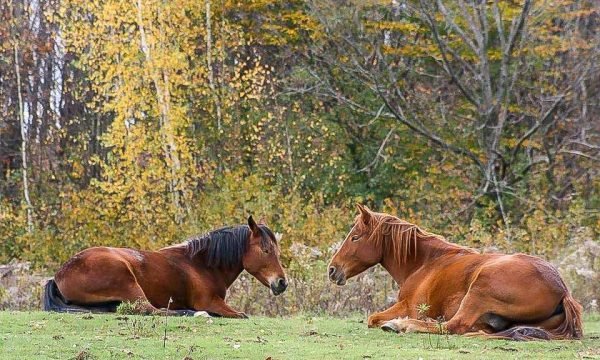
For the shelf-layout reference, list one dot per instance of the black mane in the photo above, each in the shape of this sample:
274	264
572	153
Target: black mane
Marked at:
225	247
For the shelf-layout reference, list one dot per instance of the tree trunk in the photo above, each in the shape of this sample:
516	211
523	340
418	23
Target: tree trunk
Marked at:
211	76
24	166
163	99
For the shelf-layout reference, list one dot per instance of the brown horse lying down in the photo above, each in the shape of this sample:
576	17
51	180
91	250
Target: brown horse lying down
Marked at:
195	274
517	296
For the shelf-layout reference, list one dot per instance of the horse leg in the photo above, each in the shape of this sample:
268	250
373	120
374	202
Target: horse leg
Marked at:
218	306
468	318
395	311
472	318
403	325
134	294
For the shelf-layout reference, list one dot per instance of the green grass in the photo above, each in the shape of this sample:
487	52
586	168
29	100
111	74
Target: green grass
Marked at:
39	335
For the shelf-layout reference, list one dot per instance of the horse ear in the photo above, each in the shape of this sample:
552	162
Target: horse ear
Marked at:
365	213
253	227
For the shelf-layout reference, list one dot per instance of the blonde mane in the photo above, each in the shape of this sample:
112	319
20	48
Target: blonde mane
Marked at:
396	235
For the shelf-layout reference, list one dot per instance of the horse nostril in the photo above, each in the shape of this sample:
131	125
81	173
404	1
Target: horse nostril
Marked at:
331	271
278	286
282	283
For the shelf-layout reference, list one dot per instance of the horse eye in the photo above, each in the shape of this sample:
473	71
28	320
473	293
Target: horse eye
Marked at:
266	251
355	237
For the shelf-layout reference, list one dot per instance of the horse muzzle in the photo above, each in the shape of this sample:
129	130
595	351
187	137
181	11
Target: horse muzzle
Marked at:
337	276
278	286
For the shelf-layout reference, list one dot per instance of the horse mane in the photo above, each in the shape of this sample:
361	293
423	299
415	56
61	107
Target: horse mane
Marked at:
395	235
225	247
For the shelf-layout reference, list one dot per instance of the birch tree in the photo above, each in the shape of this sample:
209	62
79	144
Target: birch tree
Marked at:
17	18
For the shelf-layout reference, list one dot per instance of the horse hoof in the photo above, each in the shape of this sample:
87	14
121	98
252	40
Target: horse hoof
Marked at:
202	314
389	327
372	322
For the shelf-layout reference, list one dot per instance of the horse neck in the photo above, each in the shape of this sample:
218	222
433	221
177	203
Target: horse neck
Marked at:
226	276
428	249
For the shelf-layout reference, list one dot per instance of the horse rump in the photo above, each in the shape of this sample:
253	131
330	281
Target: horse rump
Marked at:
53	300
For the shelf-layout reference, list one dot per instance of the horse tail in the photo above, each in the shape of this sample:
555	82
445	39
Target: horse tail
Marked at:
569	328
53	300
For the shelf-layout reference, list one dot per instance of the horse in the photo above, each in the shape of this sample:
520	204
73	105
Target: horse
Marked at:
490	295
176	280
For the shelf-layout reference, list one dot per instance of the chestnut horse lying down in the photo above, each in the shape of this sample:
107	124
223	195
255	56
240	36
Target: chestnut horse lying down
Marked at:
517	296
195	274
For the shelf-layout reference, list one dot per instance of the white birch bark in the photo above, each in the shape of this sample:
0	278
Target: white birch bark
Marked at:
24	166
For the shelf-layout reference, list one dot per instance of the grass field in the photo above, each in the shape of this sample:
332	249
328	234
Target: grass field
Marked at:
39	335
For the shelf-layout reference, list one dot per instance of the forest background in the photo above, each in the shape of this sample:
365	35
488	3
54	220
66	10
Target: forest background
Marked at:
142	122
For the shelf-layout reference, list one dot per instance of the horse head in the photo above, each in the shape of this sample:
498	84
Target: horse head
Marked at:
358	251
261	258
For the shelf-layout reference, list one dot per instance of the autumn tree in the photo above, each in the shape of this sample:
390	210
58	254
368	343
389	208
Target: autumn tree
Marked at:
493	84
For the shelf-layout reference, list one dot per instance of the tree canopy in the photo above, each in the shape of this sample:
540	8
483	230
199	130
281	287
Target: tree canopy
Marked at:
140	122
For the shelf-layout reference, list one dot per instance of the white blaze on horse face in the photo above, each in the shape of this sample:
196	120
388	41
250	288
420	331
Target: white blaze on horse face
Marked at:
346	238
337	247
